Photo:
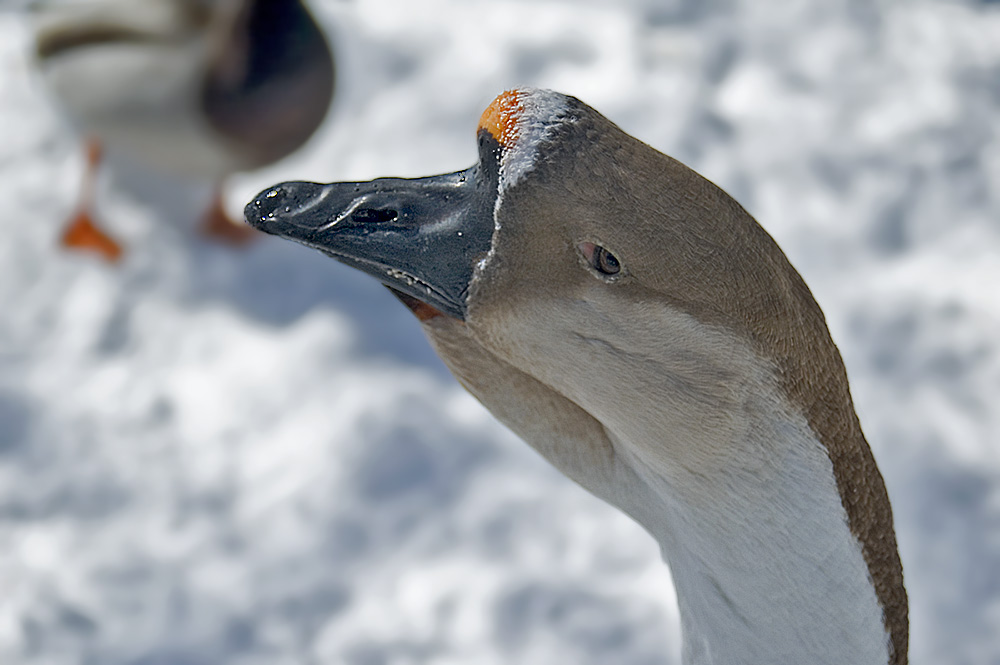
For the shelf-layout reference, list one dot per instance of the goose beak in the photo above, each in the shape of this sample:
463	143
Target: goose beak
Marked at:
421	237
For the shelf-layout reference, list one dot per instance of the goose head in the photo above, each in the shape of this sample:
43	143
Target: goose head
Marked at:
639	329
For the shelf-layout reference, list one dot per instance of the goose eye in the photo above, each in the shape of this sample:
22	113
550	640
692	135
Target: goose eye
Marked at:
600	259
605	262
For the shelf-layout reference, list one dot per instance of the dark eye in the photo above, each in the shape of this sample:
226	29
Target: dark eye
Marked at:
600	259
605	262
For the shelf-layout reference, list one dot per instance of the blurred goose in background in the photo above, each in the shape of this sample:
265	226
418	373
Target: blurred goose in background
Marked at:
638	328
199	88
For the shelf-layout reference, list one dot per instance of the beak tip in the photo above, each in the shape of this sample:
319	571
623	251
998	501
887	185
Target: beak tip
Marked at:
282	209
254	215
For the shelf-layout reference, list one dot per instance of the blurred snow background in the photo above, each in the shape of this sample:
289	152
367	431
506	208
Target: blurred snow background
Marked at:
218	457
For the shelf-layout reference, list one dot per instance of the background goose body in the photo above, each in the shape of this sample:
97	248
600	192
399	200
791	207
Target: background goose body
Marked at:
198	88
632	323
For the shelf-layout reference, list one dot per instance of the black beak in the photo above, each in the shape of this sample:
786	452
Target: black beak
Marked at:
421	237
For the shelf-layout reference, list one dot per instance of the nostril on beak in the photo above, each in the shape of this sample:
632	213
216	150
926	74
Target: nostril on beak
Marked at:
374	215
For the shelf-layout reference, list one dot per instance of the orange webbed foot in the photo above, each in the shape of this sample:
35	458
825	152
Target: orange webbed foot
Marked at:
83	234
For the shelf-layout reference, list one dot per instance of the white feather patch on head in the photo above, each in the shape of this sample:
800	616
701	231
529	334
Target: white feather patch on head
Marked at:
520	120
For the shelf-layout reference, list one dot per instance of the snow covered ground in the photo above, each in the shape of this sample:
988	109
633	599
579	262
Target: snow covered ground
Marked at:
217	457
